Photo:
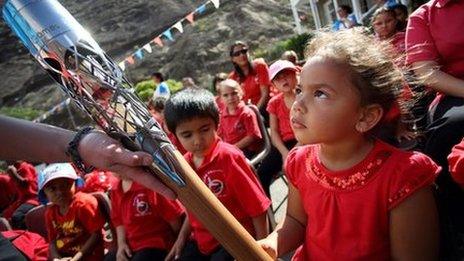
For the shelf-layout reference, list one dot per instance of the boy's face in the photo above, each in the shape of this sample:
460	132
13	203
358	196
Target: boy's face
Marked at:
285	81
60	191
197	135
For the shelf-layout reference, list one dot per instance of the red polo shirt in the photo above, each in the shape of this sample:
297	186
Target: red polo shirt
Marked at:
234	127
227	174
456	163
435	33
251	84
145	216
279	109
73	229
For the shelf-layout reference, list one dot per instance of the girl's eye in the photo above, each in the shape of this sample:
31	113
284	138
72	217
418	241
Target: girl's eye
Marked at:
320	94
297	90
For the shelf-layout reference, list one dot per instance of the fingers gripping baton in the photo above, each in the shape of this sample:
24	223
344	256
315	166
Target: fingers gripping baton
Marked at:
74	59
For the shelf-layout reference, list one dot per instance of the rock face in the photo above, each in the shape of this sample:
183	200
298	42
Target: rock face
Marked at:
120	27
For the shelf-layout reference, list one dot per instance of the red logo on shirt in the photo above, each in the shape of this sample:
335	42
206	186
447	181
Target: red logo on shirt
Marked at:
141	205
214	183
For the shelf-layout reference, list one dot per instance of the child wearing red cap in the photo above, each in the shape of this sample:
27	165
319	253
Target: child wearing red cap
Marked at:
284	77
146	223
238	124
24	181
73	220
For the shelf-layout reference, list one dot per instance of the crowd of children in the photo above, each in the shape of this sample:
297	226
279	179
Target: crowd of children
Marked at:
352	195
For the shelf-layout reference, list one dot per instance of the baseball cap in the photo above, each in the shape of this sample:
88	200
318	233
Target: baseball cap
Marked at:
55	171
279	66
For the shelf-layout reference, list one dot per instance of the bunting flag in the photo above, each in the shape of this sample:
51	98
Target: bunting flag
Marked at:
215	3
190	18
130	59
122	65
147	47
158	41
201	9
179	27
57	108
139	54
168	35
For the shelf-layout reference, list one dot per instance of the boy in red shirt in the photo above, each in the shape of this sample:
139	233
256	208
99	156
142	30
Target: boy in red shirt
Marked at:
73	220
238	124
24	181
192	116
146	223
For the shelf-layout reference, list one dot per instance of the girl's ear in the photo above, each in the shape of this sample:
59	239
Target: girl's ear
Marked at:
369	117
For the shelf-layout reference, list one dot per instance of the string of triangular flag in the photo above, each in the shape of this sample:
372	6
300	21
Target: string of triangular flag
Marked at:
57	108
139	54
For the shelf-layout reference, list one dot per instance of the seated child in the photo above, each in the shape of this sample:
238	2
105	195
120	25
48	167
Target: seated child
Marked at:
74	221
192	116
146	223
351	196
238	124
283	75
24	181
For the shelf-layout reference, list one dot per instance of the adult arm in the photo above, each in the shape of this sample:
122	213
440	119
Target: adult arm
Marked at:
39	142
414	229
438	80
264	96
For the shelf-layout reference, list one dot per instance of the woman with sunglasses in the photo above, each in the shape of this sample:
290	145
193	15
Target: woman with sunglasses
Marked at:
252	75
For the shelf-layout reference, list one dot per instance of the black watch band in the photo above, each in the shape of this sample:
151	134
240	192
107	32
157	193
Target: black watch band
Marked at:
73	153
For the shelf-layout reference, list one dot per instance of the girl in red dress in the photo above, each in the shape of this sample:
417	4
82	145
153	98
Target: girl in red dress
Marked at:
351	196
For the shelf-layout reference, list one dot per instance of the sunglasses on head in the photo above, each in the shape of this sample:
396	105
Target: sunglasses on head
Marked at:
237	53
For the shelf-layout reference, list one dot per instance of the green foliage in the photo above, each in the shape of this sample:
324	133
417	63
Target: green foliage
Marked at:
21	113
174	86
297	43
145	89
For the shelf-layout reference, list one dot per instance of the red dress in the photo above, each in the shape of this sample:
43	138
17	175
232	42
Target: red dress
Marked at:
348	211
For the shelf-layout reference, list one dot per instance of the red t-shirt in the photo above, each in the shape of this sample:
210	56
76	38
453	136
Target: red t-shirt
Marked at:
145	216
280	110
456	163
99	181
71	230
227	174
348	211
251	84
234	127
434	33
7	191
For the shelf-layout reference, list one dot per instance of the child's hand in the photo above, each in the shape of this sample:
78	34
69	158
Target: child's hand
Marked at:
124	253
270	246
176	250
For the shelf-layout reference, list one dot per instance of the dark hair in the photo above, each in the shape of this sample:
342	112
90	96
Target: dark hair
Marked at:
188	104
290	56
237	68
158	103
346	8
158	75
218	78
401	7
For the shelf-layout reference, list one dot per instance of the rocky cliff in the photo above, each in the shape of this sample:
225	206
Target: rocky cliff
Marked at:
121	27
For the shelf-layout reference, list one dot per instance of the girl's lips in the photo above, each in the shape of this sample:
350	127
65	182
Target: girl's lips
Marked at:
296	124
